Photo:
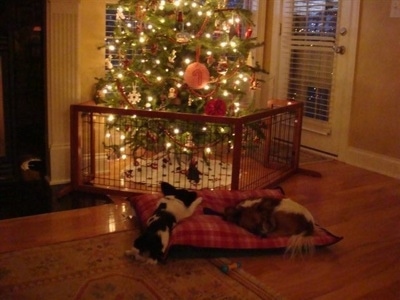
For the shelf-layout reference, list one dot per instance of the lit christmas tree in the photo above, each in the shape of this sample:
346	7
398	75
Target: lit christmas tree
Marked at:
178	55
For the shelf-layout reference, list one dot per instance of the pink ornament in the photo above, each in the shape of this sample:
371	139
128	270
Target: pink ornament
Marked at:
196	75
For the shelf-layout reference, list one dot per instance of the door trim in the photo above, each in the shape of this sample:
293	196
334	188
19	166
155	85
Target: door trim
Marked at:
347	94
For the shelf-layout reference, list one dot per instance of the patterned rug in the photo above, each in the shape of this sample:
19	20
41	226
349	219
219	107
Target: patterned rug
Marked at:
96	268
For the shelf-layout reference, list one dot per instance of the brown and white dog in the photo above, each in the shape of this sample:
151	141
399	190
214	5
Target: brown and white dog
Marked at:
269	217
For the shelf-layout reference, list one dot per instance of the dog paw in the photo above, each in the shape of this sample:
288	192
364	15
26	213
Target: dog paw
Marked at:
132	252
138	257
151	261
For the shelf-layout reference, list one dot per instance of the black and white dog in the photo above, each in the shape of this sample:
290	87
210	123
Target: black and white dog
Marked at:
176	205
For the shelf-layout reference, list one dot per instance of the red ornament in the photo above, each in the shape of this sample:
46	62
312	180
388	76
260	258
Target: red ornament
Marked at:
215	107
248	33
196	75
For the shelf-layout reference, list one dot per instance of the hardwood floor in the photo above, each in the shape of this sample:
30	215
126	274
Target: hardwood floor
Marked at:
361	206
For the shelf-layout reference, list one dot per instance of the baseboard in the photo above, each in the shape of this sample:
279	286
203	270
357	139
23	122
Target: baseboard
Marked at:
372	161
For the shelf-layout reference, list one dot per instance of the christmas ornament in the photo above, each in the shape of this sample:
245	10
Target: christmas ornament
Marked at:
190	100
222	66
193	173
189	141
222	4
119	14
248	33
215	107
218	30
173	96
210	60
196	75
254	83
134	97
232	32
181	37
108	63
172	93
179	21
172	57
217	34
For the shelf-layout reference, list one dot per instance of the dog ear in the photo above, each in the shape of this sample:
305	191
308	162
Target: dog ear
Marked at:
167	189
267	205
184	195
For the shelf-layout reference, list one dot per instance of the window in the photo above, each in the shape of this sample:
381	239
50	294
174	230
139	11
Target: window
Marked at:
308	35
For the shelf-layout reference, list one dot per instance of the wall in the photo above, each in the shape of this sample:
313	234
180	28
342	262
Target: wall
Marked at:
75	28
370	138
373	137
63	82
92	24
375	116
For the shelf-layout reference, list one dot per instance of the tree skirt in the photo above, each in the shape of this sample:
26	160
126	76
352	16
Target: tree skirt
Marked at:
179	171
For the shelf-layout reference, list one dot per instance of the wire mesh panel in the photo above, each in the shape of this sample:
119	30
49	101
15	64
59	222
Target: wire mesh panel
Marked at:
133	150
270	150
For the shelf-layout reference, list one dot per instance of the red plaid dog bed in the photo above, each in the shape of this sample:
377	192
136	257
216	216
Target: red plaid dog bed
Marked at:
211	231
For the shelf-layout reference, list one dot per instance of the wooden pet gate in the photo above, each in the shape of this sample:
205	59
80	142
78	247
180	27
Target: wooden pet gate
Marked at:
131	151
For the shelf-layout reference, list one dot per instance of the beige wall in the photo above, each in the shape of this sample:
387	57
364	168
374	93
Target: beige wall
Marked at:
375	115
75	28
92	29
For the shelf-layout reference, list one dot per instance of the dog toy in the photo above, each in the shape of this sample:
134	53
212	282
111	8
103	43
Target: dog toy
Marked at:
229	267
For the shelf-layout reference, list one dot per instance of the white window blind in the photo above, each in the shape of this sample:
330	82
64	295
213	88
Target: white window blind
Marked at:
308	37
111	12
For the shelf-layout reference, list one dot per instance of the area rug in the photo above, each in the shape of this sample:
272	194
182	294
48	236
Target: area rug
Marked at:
97	268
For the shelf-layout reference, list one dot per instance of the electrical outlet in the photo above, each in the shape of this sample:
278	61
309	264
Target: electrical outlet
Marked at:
395	9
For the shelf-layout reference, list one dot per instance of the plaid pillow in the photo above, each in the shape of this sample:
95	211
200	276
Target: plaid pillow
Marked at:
211	231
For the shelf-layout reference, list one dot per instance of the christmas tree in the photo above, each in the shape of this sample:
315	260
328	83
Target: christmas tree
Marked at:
178	55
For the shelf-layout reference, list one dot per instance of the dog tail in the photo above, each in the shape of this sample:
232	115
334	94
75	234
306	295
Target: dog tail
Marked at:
300	245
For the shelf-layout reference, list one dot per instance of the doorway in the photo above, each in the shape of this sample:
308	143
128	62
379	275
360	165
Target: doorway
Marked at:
314	60
22	99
